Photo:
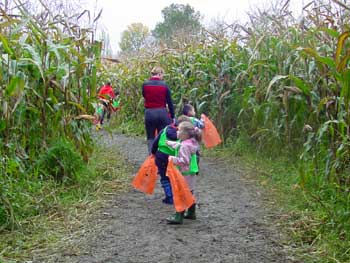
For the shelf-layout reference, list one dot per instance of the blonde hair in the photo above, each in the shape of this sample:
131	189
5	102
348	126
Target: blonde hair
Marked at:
183	118
157	70
192	131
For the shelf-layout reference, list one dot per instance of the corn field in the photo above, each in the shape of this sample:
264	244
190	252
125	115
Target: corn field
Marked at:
48	73
280	81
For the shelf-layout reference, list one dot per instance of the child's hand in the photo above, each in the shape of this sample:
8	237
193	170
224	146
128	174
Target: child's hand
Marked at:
172	144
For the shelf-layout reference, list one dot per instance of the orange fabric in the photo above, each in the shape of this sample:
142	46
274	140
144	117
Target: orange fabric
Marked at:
210	135
182	195
146	177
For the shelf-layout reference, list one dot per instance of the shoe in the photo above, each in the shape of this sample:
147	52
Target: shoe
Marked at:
191	213
176	219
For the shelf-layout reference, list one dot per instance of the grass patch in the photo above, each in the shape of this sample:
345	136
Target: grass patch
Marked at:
69	211
124	125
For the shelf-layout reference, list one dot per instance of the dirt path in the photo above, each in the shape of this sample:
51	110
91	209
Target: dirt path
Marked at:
232	225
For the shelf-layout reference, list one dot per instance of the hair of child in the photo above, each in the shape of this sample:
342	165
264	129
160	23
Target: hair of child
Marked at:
192	131
183	118
186	109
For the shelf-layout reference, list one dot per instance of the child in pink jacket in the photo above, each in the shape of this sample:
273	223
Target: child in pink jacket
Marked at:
186	160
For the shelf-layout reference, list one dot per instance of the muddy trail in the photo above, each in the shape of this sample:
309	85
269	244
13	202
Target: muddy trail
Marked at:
233	223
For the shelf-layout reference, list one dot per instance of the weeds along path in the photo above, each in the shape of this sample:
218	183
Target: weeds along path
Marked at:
232	225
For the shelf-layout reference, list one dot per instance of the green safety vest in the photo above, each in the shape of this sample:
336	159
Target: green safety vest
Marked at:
193	167
115	103
99	109
162	146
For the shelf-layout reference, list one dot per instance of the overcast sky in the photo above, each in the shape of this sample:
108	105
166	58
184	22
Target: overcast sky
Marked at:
117	15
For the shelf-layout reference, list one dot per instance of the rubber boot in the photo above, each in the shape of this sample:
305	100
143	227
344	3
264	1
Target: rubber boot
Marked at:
176	219
191	212
168	194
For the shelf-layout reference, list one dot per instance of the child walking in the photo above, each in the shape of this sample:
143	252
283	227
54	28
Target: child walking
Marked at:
186	159
162	151
189	111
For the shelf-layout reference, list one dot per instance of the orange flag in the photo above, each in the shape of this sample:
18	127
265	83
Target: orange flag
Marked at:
210	135
182	195
146	177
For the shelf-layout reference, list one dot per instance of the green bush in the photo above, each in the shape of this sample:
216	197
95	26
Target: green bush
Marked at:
62	161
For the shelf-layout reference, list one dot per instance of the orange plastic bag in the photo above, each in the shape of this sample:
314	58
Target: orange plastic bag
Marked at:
182	195
146	177
210	135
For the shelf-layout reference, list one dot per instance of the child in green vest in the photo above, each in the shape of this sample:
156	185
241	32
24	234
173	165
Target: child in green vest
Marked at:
186	160
162	151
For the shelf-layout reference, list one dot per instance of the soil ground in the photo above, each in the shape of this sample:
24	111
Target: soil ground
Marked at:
233	223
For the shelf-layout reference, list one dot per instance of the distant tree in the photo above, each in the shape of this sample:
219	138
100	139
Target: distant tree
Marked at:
134	38
181	25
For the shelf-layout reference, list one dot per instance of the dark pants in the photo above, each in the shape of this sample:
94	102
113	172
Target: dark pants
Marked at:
155	120
105	109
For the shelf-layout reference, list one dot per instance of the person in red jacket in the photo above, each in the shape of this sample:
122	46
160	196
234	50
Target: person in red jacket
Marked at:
106	92
157	102
106	95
